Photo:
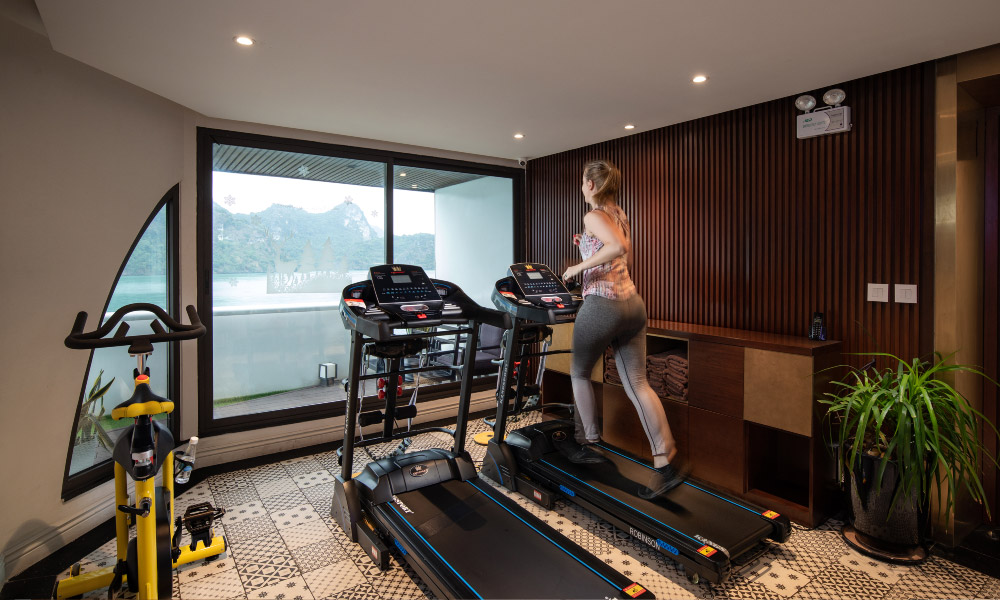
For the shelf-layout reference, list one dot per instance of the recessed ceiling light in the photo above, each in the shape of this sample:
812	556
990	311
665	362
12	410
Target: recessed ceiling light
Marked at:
630	126
700	78
244	40
402	174
518	136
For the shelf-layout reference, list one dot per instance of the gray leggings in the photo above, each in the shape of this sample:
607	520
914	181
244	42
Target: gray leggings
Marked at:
620	324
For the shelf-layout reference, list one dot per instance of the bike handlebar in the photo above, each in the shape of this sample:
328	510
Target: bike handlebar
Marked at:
78	340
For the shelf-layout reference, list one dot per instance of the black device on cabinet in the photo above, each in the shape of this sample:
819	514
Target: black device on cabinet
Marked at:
817	327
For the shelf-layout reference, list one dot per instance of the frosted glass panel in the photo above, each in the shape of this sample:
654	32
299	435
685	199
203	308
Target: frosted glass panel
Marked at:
144	279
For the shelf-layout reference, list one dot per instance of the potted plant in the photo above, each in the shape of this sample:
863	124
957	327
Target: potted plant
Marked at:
89	424
904	433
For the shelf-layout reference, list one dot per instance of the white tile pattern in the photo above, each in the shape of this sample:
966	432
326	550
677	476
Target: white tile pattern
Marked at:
305	534
308	480
284	545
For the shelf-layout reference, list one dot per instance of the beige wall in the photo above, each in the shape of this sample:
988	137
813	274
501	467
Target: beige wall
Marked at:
84	158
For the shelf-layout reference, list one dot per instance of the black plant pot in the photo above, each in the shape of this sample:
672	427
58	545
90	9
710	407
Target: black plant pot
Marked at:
875	532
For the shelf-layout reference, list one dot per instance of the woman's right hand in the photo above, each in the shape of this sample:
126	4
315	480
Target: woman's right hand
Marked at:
571	273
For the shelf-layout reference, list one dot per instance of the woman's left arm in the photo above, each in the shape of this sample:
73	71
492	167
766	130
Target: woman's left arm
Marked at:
615	243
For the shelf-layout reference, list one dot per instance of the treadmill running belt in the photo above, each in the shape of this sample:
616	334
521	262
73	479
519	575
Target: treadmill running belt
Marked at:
509	558
690	510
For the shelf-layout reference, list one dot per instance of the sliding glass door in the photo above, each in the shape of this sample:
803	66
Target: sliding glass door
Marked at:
285	226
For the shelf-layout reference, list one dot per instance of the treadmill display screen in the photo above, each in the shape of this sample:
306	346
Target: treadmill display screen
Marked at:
537	280
402	283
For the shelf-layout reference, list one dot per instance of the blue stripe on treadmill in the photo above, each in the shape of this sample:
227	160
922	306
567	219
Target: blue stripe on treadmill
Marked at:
666	547
545	462
557	545
433	549
685	483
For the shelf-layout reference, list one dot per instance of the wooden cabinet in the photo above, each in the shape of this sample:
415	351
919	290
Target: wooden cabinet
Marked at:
751	424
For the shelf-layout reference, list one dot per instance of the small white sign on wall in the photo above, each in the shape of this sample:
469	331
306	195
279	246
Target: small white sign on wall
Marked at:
823	121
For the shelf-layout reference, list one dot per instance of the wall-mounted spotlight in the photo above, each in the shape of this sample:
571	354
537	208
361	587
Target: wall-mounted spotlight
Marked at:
805	103
834	97
832	118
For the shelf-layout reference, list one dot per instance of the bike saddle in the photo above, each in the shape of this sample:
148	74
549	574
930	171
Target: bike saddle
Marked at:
142	402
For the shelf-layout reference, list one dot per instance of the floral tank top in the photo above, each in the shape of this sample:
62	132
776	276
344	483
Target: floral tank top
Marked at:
610	280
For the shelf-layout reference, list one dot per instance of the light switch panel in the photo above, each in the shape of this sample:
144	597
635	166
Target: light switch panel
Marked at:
906	293
878	292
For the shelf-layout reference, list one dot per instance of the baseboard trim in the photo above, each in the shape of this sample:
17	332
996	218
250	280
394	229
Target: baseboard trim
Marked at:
25	553
231	447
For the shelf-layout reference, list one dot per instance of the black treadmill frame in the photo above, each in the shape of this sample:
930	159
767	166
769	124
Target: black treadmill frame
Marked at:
510	463
374	523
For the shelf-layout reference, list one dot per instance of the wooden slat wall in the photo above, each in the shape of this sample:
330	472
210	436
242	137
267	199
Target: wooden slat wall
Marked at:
737	223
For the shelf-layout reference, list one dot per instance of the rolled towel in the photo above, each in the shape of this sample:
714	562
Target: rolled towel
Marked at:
676	371
674	390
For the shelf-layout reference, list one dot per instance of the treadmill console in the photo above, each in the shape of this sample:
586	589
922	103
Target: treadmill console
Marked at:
532	291
406	291
403	296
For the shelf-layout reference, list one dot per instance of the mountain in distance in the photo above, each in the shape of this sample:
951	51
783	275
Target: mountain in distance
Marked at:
277	237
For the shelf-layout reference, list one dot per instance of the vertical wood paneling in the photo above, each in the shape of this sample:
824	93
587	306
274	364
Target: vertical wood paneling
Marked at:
737	223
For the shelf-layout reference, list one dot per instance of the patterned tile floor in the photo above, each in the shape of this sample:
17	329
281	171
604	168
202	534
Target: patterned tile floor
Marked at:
284	545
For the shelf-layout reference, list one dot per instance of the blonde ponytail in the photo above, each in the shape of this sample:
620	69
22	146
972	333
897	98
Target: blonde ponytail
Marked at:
606	177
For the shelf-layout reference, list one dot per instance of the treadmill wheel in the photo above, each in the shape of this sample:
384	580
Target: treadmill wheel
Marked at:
693	578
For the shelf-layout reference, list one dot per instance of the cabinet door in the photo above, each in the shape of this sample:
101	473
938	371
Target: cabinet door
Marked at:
778	390
716	378
621	426
562	339
677	417
715	449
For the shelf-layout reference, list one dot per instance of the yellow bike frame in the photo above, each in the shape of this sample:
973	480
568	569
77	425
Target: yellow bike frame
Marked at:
145	529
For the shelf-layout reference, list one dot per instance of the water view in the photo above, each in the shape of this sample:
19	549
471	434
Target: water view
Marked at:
243	290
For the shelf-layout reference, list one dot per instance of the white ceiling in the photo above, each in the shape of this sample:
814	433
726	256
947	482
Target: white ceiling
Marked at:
465	75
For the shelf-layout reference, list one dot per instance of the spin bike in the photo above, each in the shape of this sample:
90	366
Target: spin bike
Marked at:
145	563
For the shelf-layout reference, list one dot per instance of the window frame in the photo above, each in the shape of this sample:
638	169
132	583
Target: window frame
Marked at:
78	483
206	137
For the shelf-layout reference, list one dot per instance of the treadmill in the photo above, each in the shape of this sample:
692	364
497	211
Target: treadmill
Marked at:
464	537
711	534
